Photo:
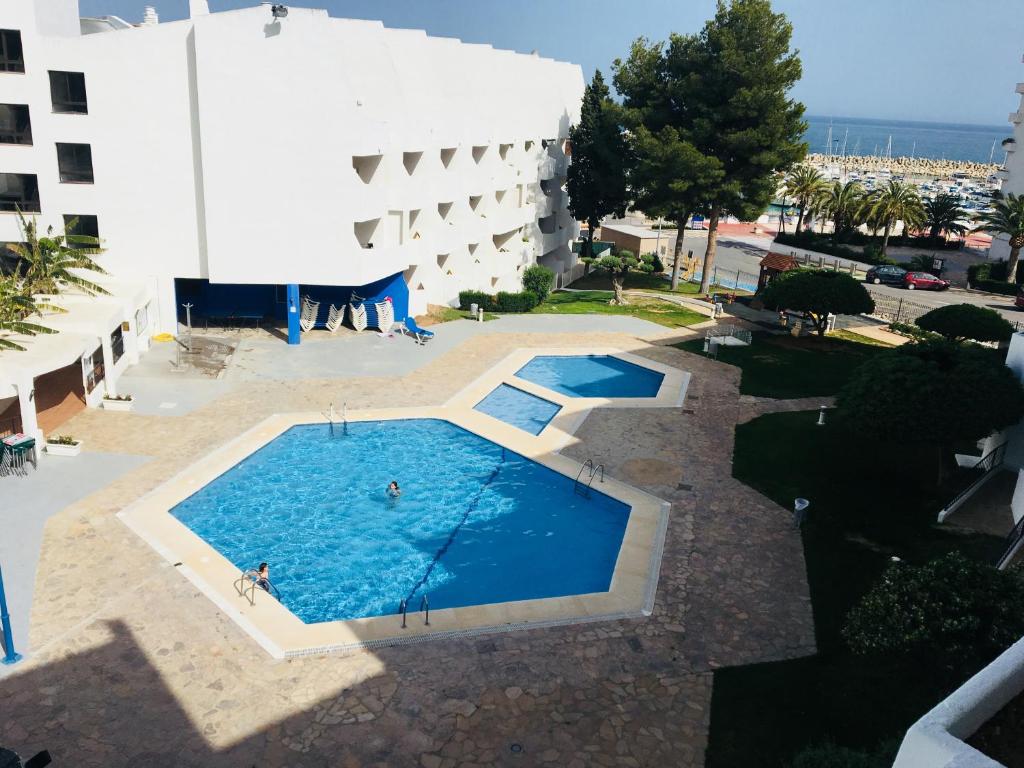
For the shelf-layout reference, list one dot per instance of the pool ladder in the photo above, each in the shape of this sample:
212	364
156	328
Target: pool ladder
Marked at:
583	487
331	415
403	608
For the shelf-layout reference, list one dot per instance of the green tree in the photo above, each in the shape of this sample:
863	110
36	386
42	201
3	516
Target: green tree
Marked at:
817	294
958	322
844	204
1005	218
942	216
932	394
16	306
725	91
952	612
617	266
667	180
596	179
538	280
806	185
894	202
46	263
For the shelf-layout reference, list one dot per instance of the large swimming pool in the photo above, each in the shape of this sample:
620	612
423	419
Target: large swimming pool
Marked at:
592	376
475	524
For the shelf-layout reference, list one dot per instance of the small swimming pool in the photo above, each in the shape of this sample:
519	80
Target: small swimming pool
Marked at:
592	376
476	523
518	408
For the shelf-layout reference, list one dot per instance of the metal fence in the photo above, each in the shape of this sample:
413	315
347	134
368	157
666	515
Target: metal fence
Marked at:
730	278
897	309
571	275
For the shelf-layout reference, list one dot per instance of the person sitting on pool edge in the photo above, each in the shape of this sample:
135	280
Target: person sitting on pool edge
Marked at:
393	490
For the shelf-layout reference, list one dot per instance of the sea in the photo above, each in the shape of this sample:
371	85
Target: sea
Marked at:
941	141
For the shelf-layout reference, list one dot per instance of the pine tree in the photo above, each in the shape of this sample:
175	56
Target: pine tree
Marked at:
596	180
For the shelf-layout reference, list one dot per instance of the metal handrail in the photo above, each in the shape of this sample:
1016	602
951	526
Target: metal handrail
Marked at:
988	463
1012	545
403	609
587	465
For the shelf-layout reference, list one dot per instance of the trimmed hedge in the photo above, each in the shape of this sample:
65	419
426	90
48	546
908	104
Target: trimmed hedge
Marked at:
997	286
502	302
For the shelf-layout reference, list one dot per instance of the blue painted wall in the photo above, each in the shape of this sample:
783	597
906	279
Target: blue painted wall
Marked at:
222	299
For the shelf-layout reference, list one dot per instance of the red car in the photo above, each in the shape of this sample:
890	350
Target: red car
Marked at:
925	281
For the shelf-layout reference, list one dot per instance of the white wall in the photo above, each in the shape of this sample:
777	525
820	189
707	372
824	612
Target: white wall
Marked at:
1013	176
223	145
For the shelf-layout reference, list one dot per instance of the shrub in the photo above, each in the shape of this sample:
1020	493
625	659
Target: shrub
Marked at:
515	302
953	612
657	265
991	272
829	755
503	302
468	298
539	281
966	321
997	286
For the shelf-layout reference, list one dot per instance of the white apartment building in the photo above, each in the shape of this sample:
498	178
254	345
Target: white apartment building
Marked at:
227	157
1012	173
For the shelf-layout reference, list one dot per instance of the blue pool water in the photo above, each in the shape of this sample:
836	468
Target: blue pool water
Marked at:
591	376
518	408
475	524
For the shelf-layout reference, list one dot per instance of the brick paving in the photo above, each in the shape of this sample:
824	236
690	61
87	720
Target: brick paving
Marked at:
131	665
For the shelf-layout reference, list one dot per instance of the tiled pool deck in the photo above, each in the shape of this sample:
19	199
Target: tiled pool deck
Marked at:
131	664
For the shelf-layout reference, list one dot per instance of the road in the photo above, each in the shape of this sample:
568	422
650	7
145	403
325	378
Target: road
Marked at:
743	253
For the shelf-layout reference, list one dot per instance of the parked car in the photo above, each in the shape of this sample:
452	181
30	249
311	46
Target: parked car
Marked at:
887	273
925	281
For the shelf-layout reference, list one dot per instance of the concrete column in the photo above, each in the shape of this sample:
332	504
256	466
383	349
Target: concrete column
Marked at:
294	331
26	402
109	385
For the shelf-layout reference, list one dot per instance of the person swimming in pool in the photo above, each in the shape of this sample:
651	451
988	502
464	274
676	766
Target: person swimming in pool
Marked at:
263	577
394	491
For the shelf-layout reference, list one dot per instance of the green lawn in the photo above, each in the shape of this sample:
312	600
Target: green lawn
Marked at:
596	302
784	367
639	281
446	314
868	503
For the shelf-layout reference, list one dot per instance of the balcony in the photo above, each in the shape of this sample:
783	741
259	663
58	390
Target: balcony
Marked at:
15	126
67	93
19	192
12	58
74	163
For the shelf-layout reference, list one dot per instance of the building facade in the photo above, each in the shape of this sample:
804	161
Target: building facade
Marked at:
236	160
1012	174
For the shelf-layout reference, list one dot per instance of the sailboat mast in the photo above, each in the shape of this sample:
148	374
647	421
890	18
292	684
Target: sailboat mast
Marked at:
992	153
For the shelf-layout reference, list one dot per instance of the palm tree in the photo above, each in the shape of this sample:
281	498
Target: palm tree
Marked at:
844	204
1005	218
46	263
943	216
896	202
16	304
805	184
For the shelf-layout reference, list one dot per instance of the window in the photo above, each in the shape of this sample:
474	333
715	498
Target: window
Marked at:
447	153
141	320
11	57
67	92
116	345
84	225
410	160
19	191
93	369
74	161
15	127
478	153
9	260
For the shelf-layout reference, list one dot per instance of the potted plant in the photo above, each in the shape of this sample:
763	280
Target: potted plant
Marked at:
63	445
118	402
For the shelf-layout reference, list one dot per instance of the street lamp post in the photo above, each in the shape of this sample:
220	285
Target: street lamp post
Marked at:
10	657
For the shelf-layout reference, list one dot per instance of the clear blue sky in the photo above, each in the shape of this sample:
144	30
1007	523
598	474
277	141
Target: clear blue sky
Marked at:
941	60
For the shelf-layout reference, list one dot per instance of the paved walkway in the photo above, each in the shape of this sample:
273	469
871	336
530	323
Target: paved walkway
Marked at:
130	665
